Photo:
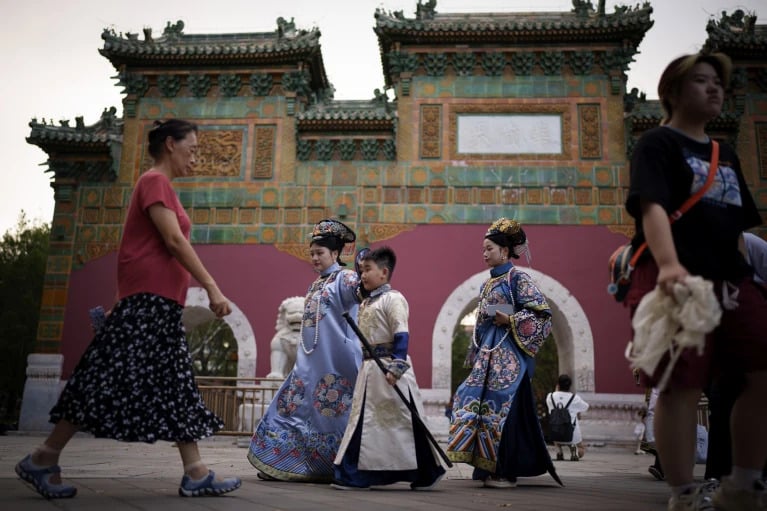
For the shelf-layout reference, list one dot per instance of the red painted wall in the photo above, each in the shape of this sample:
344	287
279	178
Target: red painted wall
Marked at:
432	261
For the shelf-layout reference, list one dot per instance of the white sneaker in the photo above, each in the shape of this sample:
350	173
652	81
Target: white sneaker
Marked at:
499	482
730	498
698	499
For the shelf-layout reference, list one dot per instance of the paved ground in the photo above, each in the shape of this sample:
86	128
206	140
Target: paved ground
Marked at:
113	476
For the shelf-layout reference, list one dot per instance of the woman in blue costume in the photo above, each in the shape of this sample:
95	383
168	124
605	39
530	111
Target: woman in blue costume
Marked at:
298	436
494	425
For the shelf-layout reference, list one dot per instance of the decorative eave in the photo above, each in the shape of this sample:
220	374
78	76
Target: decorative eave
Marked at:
737	35
349	115
517	28
646	115
86	152
624	29
285	46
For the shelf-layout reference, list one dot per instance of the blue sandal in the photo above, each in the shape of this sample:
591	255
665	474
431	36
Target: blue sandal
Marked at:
39	478
207	486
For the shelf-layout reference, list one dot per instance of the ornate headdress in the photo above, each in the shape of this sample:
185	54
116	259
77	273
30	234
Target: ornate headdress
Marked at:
503	226
509	233
334	235
330	227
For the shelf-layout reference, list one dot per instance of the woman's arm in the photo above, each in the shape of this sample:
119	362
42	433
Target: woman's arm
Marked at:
180	248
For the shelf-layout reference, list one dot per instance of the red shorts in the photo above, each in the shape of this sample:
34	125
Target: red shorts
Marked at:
738	344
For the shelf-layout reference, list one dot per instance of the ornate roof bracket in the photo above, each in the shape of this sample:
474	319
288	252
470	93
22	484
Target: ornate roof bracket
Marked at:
80	153
737	35
224	65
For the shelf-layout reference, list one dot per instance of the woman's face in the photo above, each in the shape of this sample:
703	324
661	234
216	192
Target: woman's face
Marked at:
701	95
322	257
493	254
183	154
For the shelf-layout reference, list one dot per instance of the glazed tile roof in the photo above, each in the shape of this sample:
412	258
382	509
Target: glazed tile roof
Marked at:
357	114
208	47
737	35
514	27
286	45
79	137
649	114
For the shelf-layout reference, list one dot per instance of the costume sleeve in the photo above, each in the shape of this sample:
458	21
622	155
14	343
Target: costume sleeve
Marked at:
399	345
348	288
398	364
397	313
531	324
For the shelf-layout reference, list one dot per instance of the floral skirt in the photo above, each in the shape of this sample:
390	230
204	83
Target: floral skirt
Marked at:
134	382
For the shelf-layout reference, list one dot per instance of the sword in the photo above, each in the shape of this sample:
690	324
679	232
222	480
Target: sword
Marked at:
410	405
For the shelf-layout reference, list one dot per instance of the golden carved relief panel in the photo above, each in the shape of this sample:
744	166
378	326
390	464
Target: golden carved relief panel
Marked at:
219	154
589	122
431	131
264	152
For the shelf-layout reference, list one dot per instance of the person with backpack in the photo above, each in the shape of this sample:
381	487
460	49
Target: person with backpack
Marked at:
564	429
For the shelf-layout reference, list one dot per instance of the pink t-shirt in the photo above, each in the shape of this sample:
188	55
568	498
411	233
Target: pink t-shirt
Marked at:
144	264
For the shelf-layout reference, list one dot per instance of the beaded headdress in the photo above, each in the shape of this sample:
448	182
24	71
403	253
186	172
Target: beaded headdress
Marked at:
330	227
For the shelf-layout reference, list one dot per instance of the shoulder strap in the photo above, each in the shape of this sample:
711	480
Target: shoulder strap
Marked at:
570	401
690	202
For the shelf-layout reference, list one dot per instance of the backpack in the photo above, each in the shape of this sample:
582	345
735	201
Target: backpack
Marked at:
561	426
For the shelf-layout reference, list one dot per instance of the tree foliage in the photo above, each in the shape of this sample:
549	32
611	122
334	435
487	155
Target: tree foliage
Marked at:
23	256
213	349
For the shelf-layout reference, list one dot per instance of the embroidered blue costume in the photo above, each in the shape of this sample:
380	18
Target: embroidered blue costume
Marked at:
298	436
494	423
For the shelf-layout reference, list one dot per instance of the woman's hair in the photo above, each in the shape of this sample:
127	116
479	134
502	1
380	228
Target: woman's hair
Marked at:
383	257
673	77
330	242
564	383
161	130
507	233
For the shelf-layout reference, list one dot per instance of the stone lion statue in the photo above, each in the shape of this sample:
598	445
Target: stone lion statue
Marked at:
288	332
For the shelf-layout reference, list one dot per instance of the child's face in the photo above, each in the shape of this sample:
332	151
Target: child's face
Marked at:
372	276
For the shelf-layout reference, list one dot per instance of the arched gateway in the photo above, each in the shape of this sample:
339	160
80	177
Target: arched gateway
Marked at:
575	344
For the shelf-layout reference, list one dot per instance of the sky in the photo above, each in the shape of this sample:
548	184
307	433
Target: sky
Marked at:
51	67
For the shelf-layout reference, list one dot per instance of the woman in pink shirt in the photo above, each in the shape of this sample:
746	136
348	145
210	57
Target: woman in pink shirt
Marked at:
134	382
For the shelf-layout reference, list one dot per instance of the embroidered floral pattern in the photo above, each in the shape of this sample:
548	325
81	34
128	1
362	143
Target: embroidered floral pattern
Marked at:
291	397
333	395
503	370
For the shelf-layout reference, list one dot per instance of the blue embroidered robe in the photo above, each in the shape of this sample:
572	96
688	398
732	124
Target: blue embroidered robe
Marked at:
494	425
298	437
